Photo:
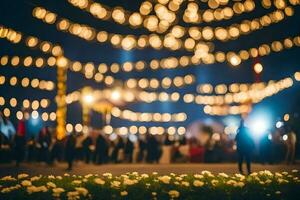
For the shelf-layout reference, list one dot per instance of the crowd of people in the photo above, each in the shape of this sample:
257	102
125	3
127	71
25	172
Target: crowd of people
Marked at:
99	148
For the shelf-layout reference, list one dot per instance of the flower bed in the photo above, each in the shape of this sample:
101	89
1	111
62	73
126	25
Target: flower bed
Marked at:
205	185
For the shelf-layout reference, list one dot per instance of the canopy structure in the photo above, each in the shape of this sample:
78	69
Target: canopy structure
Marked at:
148	66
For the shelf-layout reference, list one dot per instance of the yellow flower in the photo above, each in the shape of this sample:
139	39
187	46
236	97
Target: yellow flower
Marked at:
76	182
35	178
239	184
82	190
198	183
99	181
186	184
115	184
51	184
57	192
214	182
124	193
22	176
223	175
165	179
26	183
8	178
129	182
174	194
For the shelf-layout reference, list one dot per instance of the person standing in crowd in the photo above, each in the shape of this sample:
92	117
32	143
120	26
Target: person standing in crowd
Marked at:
79	146
70	150
101	149
291	146
7	131
31	146
86	144
128	150
44	141
152	149
20	142
118	151
245	146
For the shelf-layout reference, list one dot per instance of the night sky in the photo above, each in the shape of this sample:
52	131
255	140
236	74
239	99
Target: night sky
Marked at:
18	15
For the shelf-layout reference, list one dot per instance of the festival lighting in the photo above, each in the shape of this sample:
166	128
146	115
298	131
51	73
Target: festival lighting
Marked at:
258	68
259	123
279	124
285	137
88	99
286	117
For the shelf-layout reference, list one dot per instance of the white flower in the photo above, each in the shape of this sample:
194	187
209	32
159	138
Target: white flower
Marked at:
57	192
186	184
129	182
35	178
214	182
124	193
88	175
33	189
51	177
76	182
145	176
295	171
154	193
277	192
174	194
8	178
278	174
116	184
165	179
51	184
22	176
231	182
198	183
99	181
26	183
82	190
239	184
178	178
223	175
107	174
198	176
58	177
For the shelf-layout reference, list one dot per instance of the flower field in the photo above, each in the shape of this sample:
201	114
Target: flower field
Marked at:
205	185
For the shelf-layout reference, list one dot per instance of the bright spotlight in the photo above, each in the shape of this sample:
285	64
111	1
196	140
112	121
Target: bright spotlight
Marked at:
88	99
115	95
35	114
258	126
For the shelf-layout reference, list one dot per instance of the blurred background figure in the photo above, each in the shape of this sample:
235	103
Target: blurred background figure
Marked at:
43	143
20	142
153	149
70	150
290	140
87	153
7	132
128	150
101	149
245	146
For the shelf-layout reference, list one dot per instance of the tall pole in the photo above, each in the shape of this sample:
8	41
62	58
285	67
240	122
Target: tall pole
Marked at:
61	103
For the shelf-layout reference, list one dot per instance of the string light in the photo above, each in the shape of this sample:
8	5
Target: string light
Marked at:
26	82
148	117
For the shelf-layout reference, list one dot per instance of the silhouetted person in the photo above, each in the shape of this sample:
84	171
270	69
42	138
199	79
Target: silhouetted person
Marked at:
87	142
20	142
291	146
44	141
152	149
245	146
118	150
142	149
70	150
265	148
128	150
101	149
31	144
